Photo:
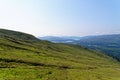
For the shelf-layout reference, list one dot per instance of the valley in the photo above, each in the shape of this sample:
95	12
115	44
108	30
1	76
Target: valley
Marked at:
107	44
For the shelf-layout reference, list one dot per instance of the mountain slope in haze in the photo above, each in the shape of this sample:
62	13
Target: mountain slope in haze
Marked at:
24	58
63	39
109	44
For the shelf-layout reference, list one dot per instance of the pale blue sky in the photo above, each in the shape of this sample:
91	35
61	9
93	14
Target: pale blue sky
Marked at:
61	17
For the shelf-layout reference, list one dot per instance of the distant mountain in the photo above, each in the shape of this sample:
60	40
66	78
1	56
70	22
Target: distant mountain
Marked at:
63	39
109	44
24	57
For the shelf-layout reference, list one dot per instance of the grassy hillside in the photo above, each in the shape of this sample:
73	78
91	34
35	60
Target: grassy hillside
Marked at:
24	57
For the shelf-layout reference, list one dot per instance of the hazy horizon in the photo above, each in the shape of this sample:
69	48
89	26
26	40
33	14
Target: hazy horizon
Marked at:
61	17
78	36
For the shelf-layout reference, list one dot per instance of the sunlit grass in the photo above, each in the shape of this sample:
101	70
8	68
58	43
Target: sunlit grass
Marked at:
43	60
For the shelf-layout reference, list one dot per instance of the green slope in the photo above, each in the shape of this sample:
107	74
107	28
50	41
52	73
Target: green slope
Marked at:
24	57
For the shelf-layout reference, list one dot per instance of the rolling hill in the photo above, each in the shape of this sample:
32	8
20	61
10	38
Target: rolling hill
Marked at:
24	57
